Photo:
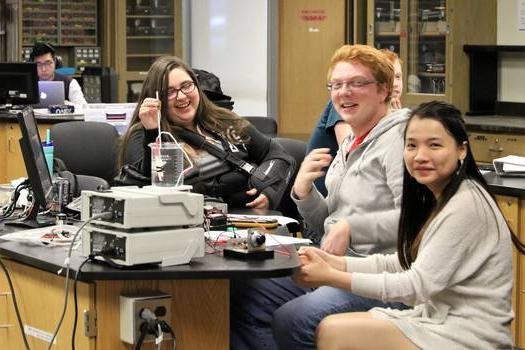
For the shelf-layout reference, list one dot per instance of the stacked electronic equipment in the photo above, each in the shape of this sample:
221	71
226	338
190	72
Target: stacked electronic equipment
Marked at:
147	225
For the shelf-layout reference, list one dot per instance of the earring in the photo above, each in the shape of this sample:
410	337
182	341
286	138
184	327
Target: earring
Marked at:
459	167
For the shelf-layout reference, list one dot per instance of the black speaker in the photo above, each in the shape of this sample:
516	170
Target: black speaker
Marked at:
99	84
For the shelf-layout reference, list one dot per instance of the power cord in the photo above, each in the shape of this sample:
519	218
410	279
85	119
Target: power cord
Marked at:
10	209
75	298
17	311
154	326
105	215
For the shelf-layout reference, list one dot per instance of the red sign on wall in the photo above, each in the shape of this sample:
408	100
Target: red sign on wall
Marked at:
313	15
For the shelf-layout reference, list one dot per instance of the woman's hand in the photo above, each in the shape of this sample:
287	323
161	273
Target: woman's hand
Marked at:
148	113
319	268
311	169
336	262
395	103
261	202
337	240
314	271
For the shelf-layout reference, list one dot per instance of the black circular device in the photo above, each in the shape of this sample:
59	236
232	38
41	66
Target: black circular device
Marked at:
256	239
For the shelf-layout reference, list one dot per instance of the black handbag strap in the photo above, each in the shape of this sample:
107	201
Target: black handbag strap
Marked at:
199	141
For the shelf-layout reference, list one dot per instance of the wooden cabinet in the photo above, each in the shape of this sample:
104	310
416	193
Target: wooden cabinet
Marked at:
3	152
59	22
40	293
199	309
11	161
511	208
488	146
141	31
429	36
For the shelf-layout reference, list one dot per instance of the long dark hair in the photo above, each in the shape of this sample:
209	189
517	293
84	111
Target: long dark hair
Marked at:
208	115
418	204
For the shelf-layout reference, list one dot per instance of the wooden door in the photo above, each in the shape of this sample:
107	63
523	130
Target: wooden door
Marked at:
309	33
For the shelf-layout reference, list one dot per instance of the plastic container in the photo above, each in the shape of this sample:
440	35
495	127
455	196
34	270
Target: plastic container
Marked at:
167	164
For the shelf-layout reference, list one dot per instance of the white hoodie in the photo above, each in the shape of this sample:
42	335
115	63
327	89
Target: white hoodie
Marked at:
364	187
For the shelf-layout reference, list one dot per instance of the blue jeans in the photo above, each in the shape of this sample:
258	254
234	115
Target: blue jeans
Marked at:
277	313
252	303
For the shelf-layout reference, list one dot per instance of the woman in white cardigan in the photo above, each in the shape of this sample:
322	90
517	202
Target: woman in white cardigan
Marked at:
453	262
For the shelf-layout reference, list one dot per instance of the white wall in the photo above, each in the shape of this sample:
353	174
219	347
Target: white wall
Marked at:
511	70
229	39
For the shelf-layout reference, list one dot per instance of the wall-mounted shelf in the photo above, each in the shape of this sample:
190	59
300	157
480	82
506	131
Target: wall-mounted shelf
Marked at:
61	23
483	98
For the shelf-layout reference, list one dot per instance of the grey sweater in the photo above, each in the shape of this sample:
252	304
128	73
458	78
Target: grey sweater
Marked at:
460	284
364	187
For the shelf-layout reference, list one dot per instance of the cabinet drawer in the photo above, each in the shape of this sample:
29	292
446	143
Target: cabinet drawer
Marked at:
488	146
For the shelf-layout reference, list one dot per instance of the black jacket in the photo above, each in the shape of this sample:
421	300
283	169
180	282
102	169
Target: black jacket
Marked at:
230	184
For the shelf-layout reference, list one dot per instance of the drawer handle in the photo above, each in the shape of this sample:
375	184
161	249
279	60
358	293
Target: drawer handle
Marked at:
496	149
6	325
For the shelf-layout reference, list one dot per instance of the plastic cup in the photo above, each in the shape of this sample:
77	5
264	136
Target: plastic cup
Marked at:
48	153
167	162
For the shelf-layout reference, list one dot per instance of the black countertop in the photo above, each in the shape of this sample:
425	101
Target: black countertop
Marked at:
48	119
489	123
496	123
211	266
508	186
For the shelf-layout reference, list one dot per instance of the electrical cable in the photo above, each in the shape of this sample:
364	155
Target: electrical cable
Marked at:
106	215
142	336
17	311
75	317
154	326
16	194
166	328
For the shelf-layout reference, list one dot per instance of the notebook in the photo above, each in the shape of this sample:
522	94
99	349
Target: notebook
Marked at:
51	93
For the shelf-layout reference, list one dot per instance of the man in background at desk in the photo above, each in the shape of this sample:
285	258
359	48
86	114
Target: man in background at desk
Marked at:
44	56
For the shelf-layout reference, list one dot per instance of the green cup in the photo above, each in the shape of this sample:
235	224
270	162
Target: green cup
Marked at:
48	153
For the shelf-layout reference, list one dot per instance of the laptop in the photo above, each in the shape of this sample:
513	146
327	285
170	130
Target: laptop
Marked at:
51	93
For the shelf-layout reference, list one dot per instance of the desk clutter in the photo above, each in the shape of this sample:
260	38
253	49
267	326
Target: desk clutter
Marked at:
128	226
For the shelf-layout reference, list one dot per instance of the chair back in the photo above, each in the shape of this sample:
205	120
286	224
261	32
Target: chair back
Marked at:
87	148
266	125
297	149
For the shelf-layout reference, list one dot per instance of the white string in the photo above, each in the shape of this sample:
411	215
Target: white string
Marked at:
158	140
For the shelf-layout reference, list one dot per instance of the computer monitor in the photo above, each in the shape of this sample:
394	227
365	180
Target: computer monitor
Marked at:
37	171
18	84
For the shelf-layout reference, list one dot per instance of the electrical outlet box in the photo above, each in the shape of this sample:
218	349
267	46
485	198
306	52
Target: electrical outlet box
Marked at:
130	307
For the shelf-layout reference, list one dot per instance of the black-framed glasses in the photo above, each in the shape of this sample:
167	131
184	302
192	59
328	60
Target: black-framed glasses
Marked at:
186	88
46	64
350	84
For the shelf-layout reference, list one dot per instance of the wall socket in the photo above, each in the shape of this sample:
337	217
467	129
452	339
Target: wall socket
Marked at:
130	308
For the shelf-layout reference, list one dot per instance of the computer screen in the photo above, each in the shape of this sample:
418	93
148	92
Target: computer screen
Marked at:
36	166
18	83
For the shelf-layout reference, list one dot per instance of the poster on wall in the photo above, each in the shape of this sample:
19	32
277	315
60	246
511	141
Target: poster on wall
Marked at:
521	15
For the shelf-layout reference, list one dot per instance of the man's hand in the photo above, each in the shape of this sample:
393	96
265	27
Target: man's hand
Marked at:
337	240
311	169
261	202
148	113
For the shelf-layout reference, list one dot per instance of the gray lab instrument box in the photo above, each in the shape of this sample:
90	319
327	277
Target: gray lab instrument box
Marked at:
134	207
